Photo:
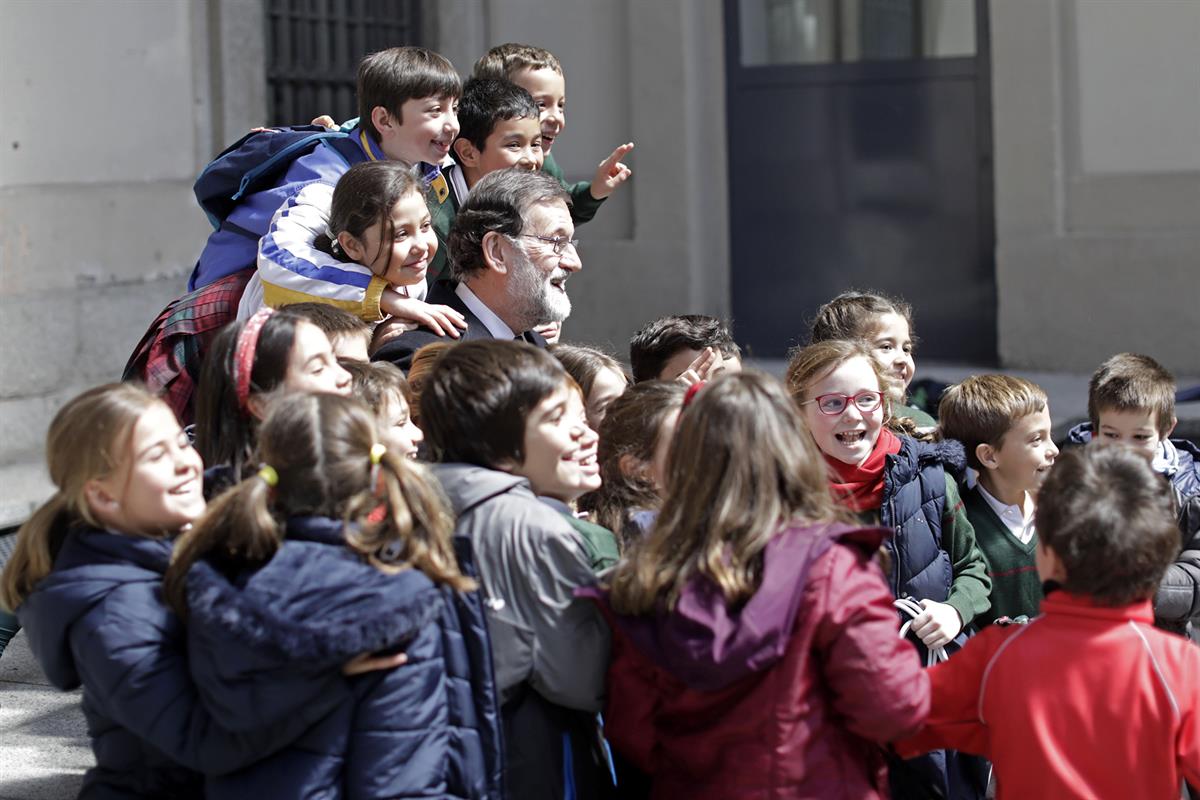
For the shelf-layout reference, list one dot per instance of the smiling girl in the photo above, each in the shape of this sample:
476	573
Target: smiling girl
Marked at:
85	579
272	353
378	237
900	483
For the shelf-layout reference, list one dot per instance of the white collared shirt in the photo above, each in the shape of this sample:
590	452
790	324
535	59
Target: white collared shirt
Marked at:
1019	524
496	326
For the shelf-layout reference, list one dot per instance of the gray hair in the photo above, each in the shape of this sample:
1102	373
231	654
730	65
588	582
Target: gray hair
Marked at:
499	202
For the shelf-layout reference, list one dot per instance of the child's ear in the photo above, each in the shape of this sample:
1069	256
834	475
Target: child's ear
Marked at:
351	246
468	156
256	404
101	500
1170	430
986	455
382	119
495	255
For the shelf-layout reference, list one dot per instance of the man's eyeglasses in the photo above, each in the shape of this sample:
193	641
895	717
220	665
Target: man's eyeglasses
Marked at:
834	404
557	243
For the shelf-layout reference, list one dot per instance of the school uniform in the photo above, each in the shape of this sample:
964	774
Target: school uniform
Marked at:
1016	588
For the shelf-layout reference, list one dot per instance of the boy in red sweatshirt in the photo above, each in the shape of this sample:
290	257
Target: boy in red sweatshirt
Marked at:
1089	699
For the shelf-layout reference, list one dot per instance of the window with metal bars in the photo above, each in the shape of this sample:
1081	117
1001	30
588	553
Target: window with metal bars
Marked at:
313	50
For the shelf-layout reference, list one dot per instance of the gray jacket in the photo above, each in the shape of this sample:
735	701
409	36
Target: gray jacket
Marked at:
530	561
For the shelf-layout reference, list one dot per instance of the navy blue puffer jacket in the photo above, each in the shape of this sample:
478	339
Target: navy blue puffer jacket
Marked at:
99	620
429	728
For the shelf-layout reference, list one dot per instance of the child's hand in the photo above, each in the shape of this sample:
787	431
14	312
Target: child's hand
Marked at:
611	173
701	367
325	121
368	662
551	331
937	625
442	320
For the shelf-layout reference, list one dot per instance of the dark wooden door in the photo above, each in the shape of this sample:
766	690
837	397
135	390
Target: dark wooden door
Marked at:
860	157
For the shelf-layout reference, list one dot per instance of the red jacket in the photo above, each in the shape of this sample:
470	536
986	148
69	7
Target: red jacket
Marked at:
784	697
1084	702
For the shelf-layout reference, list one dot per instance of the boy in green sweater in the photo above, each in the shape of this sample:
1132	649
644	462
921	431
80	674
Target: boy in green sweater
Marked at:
539	72
1003	423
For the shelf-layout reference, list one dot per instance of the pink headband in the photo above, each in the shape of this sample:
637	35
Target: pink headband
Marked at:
243	355
691	392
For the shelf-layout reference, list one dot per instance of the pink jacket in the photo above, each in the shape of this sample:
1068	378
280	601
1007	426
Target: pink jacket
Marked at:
787	696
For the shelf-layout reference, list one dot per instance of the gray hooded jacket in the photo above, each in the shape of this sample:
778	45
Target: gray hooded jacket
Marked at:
530	562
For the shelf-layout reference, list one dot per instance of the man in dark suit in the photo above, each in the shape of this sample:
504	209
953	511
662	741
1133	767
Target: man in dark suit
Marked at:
511	250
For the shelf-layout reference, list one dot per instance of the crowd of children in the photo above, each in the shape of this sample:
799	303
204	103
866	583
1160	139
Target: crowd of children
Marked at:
496	568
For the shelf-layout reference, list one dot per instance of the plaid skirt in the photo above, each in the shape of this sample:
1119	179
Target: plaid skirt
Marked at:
168	357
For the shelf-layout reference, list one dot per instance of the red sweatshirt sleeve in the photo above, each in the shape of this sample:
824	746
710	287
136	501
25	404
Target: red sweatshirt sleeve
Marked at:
876	678
953	721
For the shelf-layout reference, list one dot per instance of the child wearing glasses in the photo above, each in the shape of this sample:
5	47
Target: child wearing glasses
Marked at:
936	569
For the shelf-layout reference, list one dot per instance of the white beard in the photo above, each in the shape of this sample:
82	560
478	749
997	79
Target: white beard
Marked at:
531	296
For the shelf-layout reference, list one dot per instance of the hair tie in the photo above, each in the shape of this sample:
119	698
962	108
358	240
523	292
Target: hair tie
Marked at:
334	245
691	392
377	451
243	356
269	475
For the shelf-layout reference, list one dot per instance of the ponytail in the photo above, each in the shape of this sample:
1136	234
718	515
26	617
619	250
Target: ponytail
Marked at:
236	532
38	541
412	526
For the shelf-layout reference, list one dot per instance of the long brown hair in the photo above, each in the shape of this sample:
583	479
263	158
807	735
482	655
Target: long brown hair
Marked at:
319	446
89	438
631	427
807	365
742	465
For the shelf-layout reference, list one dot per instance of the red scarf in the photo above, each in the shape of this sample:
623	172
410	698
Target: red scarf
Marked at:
861	488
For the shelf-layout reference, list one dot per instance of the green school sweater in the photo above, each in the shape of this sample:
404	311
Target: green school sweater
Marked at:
600	542
583	205
1016	589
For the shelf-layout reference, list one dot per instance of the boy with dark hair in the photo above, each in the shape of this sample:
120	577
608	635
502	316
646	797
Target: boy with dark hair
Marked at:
492	412
1131	400
498	128
1089	699
1003	423
689	348
348	334
407	98
539	72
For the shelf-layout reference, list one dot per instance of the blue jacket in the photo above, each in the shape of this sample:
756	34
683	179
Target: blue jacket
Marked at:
235	246
914	502
429	728
99	620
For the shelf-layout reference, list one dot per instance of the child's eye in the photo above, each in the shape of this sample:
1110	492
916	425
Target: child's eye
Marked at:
1110	435
884	346
541	104
426	225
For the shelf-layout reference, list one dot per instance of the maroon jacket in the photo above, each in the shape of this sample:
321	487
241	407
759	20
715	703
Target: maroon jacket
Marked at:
787	696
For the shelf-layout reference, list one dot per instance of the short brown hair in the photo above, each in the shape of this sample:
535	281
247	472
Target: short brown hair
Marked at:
584	364
477	398
373	382
1108	516
391	77
983	408
1132	382
505	60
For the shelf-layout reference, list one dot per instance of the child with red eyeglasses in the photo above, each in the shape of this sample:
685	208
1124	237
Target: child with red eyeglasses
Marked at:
936	570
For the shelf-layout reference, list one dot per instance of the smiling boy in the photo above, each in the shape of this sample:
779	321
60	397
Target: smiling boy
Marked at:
1003	423
497	416
498	129
540	73
1131	401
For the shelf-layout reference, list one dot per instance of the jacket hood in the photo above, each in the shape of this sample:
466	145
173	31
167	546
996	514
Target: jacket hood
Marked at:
91	564
468	485
708	645
313	602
